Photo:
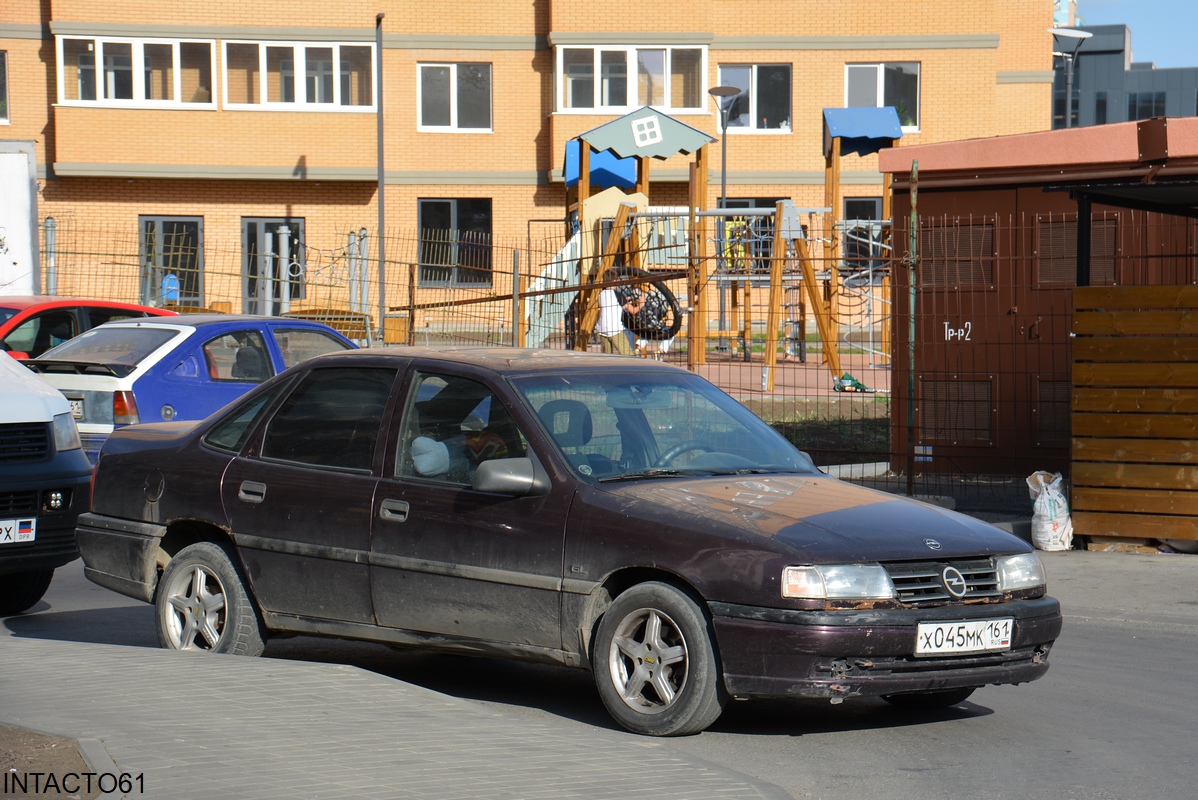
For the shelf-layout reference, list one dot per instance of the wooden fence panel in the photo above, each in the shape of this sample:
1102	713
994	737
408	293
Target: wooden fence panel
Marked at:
1135	412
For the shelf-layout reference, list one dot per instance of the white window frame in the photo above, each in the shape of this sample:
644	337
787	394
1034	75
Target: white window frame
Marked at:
751	128
452	127
631	98
880	84
298	74
138	66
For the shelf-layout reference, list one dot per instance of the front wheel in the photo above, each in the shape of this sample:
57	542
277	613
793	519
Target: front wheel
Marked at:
930	700
21	591
655	665
202	604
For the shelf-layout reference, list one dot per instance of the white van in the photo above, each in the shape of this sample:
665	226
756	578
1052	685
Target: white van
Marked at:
45	483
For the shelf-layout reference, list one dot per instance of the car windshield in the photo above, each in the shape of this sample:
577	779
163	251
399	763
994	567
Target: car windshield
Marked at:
111	345
614	425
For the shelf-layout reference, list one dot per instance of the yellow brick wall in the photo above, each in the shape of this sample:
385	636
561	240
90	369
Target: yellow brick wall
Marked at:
960	98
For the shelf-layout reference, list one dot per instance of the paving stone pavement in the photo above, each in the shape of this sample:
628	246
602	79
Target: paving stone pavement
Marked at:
208	726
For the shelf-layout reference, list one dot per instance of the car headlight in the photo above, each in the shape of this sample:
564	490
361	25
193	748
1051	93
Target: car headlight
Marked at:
1020	572
838	582
66	433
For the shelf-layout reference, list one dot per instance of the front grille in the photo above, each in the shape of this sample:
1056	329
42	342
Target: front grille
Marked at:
25	441
918	583
18	503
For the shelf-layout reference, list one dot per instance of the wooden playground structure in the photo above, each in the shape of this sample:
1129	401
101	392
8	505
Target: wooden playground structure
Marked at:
612	225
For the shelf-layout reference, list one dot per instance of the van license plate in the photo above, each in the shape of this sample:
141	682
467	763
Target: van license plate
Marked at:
76	408
16	531
969	636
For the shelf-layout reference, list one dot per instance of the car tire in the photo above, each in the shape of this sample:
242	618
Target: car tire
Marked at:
655	665
21	591
930	700
202	604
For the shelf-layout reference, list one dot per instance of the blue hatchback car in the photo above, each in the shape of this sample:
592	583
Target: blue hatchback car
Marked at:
181	368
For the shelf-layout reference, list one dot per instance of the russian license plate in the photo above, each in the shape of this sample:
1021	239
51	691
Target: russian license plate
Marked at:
15	531
968	636
76	408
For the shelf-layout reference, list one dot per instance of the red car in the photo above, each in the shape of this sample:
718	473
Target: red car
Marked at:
32	324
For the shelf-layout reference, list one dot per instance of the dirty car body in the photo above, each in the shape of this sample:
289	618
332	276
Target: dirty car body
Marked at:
595	511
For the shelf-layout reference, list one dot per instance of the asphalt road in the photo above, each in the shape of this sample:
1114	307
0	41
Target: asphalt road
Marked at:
1114	718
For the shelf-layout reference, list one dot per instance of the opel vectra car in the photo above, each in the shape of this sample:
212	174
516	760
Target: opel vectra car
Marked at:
608	513
185	367
32	324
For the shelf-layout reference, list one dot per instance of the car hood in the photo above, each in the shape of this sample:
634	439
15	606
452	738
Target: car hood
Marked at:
819	517
25	397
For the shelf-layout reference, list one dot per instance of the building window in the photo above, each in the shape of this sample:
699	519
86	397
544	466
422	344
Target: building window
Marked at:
273	264
619	79
135	72
764	100
172	260
1100	108
455	97
455	242
332	77
1145	105
3	88
894	84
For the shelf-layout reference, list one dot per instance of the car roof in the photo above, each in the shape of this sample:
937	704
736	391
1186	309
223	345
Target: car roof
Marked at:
23	301
210	320
509	359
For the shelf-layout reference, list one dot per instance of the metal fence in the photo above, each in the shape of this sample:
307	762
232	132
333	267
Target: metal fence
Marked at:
976	331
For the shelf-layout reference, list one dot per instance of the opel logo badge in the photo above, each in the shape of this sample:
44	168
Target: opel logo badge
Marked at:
954	581
932	544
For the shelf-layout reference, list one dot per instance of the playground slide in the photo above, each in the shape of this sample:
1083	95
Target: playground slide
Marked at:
545	313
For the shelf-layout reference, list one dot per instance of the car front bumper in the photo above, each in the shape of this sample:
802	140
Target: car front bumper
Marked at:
24	495
866	653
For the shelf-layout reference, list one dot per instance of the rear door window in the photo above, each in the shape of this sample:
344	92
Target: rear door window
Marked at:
332	419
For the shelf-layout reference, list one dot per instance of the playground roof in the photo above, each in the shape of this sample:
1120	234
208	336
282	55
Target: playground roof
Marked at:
647	133
861	130
644	133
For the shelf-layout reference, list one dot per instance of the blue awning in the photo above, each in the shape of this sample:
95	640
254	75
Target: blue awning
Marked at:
607	169
861	130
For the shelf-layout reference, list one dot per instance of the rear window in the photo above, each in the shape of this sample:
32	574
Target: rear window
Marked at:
128	346
8	313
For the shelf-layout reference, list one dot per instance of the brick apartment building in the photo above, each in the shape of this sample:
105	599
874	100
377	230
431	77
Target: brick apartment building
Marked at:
204	123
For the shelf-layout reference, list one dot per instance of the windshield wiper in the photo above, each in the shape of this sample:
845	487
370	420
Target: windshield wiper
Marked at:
652	473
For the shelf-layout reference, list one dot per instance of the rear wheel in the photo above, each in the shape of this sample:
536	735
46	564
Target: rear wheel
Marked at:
202	604
930	700
655	665
21	591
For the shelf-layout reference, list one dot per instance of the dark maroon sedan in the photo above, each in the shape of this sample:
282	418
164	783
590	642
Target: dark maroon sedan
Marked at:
601	512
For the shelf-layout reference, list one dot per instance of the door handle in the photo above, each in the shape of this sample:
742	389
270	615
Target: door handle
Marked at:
251	492
394	510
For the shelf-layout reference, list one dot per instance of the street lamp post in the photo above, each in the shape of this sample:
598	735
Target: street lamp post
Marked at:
723	97
1078	37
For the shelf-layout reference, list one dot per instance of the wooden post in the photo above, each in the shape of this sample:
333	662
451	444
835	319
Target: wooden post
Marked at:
696	320
832	201
774	314
822	318
588	298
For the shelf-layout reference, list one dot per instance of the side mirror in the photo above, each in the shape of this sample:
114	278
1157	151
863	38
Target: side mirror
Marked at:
18	355
514	476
